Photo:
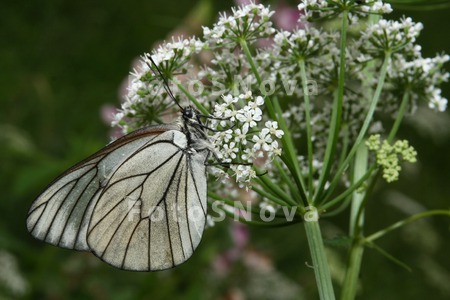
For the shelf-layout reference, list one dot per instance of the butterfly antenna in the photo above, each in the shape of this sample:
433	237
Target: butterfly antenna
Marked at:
166	83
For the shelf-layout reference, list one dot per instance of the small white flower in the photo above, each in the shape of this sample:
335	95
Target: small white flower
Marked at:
246	96
229	99
229	150
219	110
244	174
388	35
262	141
437	102
240	136
231	114
222	137
275	150
249	117
218	173
259	101
117	118
249	155
273	129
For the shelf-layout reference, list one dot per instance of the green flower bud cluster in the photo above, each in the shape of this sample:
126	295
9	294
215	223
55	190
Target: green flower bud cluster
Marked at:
389	157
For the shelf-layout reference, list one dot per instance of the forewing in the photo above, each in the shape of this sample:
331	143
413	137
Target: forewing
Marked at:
61	214
152	214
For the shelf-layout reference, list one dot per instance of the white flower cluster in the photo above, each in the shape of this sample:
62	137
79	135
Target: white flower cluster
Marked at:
407	68
241	138
247	22
322	9
178	50
423	76
245	135
301	43
388	35
311	46
147	99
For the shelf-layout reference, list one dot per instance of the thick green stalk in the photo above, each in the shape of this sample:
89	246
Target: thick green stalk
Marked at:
350	283
349	287
318	255
359	170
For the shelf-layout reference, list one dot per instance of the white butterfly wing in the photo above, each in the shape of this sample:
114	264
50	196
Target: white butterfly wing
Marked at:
60	215
152	214
84	208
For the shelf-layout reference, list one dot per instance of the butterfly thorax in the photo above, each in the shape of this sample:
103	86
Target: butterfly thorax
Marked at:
194	129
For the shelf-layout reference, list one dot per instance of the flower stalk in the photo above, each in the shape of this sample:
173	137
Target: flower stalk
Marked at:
350	284
336	115
318	255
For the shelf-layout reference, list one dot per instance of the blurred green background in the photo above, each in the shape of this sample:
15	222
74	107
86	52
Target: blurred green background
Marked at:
62	61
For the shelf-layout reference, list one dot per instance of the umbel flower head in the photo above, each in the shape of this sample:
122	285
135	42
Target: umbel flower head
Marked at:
286	118
327	9
248	22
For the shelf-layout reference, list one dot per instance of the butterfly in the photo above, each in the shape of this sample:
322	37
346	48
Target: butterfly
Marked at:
138	204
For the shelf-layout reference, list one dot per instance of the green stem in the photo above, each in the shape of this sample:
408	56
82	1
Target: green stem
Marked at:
197	104
275	189
360	169
350	283
350	189
270	196
335	116
249	57
290	159
349	287
308	129
399	118
287	180
403	222
319	260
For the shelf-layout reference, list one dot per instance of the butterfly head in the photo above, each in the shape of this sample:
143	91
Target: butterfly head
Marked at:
194	129
191	116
